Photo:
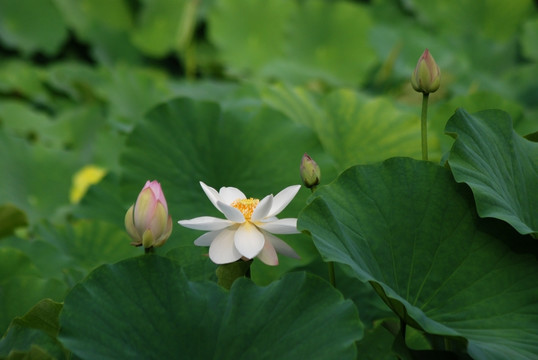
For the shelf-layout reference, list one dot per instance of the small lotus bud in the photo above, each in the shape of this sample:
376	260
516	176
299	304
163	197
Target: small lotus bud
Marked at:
427	75
147	221
310	172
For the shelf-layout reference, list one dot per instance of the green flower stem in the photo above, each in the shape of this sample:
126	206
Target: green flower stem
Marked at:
228	273
149	250
424	126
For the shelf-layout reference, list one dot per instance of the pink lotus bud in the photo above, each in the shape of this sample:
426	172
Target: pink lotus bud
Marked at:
427	75
147	221
310	171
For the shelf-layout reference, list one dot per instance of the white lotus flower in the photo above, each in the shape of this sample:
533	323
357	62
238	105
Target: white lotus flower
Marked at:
246	231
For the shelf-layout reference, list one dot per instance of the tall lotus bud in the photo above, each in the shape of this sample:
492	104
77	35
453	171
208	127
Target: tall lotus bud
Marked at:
147	221
427	75
310	171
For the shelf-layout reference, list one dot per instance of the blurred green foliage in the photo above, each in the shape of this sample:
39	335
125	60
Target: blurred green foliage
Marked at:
97	81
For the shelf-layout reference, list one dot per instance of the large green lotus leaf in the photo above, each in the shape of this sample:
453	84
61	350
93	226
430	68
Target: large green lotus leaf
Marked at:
500	166
298	103
32	26
407	228
249	33
371	307
352	127
253	148
35	179
21	286
39	327
358	129
89	243
67	253
194	261
145	308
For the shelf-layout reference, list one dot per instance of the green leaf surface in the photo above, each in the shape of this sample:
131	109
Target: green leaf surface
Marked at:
43	316
487	18
90	243
500	166
471	103
164	26
21	285
107	191
250	41
24	80
131	92
40	254
529	39
294	40
146	308
358	129
332	37
299	104
352	127
412	232
25	122
32	26
107	31
74	79
195	262
37	328
28	181
376	344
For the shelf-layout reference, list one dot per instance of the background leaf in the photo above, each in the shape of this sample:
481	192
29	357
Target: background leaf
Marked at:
294	40
164	26
32	26
408	229
500	166
36	329
11	218
263	24
29	183
21	285
127	302
487	16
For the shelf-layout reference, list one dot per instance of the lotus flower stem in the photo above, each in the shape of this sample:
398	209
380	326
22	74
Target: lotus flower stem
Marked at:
149	250
424	126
